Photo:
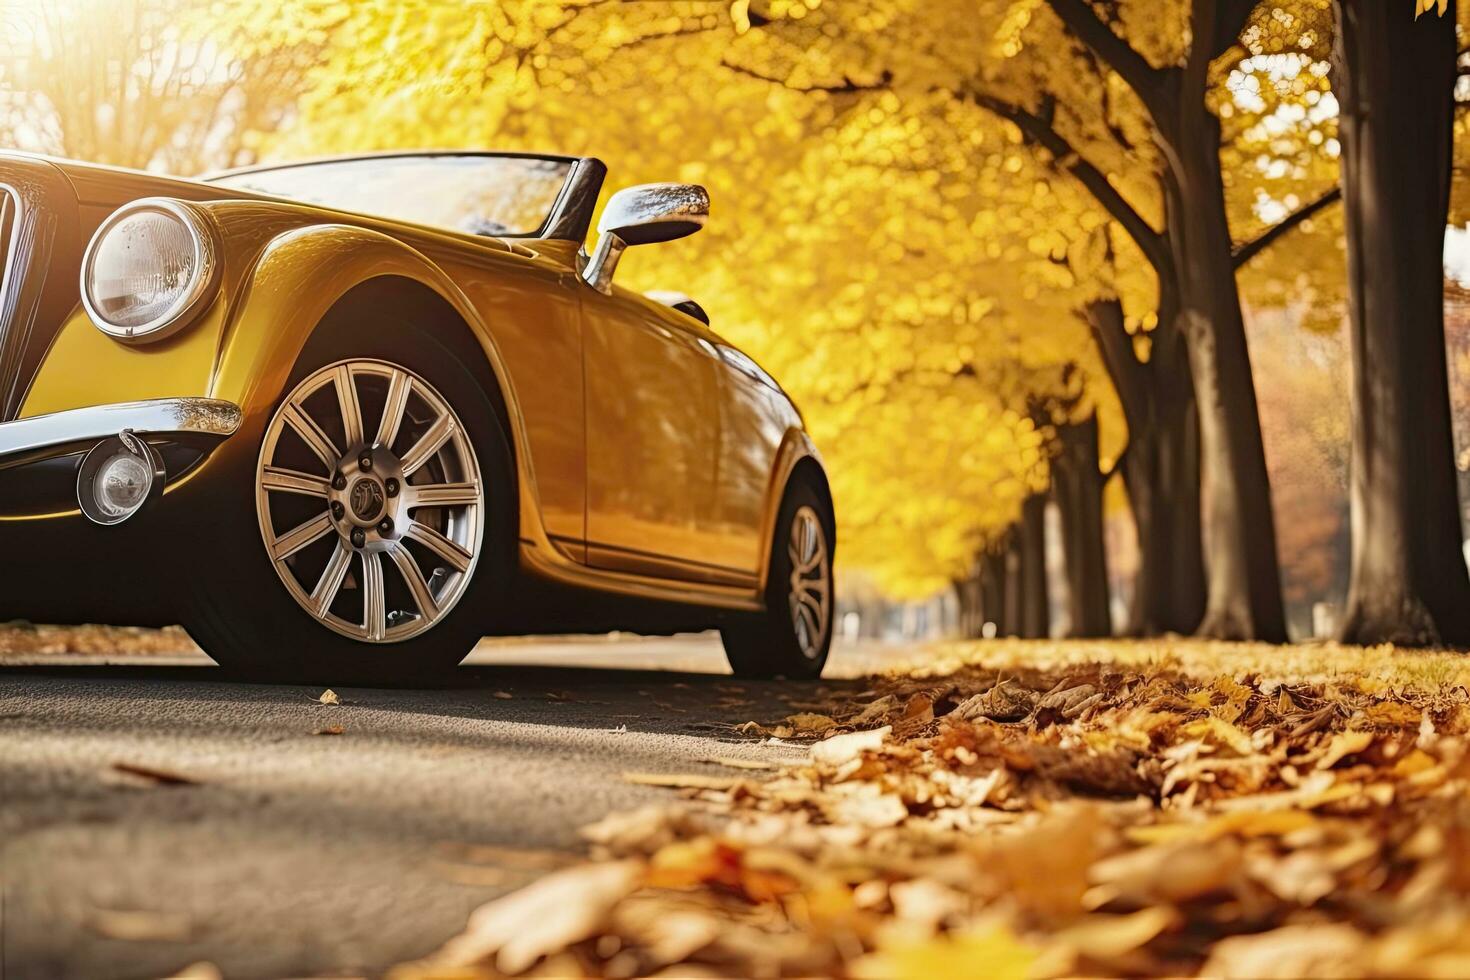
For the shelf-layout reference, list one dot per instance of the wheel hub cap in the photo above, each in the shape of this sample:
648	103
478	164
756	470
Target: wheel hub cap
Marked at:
367	496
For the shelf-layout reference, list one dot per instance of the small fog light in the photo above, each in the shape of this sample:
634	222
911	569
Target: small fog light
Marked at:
117	477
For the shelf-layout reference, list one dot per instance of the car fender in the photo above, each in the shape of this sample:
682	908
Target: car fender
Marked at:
796	445
298	277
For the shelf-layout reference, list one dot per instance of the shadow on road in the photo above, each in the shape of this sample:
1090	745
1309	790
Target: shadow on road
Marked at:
652	701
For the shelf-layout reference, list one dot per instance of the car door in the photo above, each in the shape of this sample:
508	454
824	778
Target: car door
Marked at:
653	440
754	417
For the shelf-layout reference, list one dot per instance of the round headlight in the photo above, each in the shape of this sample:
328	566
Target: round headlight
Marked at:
148	269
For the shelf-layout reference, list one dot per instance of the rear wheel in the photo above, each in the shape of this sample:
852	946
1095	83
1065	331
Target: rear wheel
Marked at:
791	637
370	534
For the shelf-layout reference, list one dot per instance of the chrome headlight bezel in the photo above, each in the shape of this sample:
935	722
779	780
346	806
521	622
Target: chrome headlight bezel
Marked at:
197	294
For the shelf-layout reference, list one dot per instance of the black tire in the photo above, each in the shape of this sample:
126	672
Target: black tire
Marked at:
767	644
241	613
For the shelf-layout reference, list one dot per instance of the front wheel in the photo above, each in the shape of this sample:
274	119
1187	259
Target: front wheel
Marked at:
368	532
791	637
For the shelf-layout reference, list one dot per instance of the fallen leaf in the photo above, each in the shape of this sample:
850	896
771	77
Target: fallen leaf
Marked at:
807	722
871	810
546	916
156	777
328	696
329	730
1221	732
738	763
202	970
994	954
1344	744
1107	937
873	710
838	749
503	695
139	925
677	781
1327	949
918	711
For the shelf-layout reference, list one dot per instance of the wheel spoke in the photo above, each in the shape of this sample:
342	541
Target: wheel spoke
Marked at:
428	444
300	536
347	402
414	578
398	388
812	628
445	495
316	440
808	598
293	481
453	555
374	615
331	581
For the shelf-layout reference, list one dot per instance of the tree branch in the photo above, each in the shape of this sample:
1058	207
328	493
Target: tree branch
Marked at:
1039	130
847	85
1249	250
1104	319
1084	22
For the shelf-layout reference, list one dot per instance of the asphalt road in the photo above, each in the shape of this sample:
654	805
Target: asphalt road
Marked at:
285	850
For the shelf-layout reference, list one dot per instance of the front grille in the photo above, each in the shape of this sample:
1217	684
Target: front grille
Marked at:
27	238
9	307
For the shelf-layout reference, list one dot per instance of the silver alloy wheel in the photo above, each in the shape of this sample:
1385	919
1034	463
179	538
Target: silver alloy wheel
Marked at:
334	499
810	595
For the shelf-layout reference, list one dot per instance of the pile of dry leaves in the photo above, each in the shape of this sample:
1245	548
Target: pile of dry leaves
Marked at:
21	640
1018	810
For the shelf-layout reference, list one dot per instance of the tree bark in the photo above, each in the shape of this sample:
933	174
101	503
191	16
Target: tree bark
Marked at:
1183	605
1160	468
1077	489
1180	479
1243	598
1035	621
1394	79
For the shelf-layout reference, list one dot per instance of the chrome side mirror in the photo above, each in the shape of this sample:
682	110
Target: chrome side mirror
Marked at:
643	215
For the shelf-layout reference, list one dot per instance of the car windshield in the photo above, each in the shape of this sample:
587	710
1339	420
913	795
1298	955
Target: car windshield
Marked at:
481	195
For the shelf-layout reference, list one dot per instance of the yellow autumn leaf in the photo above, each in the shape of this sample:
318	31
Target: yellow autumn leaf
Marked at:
993	953
1220	732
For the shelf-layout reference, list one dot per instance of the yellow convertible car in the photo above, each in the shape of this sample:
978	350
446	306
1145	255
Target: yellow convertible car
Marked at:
351	415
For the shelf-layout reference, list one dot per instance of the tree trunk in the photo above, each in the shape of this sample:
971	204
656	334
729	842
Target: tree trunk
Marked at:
1077	488
1035	621
967	599
1243	601
993	589
1016	597
1178	490
1161	466
1394	78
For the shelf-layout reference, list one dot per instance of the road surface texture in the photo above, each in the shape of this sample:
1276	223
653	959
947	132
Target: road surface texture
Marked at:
156	813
